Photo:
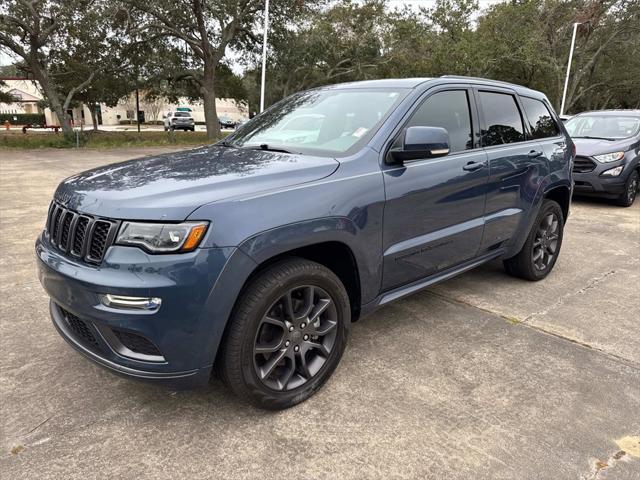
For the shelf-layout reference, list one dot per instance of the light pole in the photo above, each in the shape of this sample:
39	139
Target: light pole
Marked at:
264	53
566	80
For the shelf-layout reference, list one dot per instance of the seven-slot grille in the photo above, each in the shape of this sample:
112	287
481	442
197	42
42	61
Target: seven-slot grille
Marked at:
82	236
583	165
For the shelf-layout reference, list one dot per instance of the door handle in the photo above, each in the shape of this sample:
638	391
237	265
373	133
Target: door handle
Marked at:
534	153
473	166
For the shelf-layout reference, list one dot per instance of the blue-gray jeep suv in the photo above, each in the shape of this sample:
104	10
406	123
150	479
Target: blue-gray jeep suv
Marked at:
254	255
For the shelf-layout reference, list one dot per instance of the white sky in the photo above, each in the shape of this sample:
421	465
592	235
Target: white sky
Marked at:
6	59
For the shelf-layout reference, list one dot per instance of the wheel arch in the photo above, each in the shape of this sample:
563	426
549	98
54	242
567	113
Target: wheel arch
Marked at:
335	255
560	194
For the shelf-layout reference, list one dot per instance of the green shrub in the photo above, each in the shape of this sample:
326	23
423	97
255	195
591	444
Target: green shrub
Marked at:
90	139
22	118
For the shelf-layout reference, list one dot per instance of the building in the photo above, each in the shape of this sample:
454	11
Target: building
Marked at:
28	95
153	111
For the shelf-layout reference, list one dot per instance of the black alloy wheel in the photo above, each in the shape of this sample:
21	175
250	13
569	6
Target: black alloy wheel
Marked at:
545	243
630	191
295	338
539	254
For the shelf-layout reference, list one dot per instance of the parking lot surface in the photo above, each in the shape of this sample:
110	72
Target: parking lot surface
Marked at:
482	377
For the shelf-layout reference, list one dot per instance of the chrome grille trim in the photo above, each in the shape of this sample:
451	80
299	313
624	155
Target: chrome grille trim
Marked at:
81	236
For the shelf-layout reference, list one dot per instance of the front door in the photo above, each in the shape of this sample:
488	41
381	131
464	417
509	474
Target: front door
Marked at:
433	216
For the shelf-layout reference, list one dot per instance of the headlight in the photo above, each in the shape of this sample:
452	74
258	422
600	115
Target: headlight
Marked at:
609	157
612	172
162	237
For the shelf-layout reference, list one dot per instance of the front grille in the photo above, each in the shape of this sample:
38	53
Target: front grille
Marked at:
83	236
137	343
583	165
82	331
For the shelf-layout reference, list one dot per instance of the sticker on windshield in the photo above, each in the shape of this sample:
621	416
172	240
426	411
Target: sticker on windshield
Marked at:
359	132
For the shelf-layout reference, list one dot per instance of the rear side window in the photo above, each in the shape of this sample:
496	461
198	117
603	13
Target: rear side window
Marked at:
541	123
503	123
449	110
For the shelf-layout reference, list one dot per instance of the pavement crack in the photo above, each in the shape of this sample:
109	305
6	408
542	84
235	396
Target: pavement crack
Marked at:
38	425
560	301
516	321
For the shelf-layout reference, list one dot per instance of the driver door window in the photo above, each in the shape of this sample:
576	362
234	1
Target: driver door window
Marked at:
448	110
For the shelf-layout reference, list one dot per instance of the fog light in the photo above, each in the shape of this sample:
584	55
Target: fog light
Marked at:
612	172
131	303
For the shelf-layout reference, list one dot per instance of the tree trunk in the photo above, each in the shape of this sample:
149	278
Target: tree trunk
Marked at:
52	96
209	103
94	117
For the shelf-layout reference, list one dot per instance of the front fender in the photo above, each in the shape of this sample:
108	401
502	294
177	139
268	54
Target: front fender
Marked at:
366	251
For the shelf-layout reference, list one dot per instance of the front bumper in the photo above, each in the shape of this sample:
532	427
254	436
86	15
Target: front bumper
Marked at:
592	183
197	290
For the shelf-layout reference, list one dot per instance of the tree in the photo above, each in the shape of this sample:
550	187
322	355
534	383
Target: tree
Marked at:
66	36
337	44
207	28
507	48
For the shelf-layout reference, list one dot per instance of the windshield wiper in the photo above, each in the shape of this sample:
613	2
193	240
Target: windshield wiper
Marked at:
271	148
596	138
224	143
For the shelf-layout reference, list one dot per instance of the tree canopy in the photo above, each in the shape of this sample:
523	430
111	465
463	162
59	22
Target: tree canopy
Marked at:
93	51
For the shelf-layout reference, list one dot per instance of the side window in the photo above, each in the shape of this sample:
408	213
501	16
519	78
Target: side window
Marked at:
503	123
541	123
450	110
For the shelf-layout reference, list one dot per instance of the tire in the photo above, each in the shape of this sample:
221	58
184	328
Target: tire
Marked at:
192	129
261	322
627	198
540	252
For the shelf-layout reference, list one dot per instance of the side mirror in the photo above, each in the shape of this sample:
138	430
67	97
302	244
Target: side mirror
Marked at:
421	142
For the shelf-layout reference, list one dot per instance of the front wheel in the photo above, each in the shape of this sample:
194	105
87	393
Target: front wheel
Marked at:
627	198
540	252
286	335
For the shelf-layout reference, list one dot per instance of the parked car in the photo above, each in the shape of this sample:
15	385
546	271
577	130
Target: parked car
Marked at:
226	122
179	121
608	154
253	257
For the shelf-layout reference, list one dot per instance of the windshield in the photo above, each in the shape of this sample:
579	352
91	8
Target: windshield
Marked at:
603	126
331	121
182	114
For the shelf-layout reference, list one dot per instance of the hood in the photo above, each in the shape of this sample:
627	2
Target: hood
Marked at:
587	147
171	186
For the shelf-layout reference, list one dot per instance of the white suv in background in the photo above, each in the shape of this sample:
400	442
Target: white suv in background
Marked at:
179	121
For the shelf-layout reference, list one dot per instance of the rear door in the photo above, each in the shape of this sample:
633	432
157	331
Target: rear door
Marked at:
544	128
434	206
517	164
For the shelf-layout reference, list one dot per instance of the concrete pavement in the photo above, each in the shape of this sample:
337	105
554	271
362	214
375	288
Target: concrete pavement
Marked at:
483	376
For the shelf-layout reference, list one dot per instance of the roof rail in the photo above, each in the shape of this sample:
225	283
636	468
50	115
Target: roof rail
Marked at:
463	77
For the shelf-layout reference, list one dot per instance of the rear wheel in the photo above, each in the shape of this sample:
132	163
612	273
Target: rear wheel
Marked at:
627	198
540	252
287	334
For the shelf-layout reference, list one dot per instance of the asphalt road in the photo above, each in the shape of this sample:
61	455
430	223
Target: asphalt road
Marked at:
483	376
